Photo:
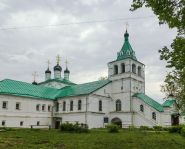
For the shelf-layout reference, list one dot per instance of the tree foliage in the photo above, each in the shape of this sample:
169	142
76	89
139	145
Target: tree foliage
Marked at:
171	12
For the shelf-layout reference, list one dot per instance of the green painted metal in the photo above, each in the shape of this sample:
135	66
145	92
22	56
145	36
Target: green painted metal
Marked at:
126	50
82	89
18	88
60	80
169	102
149	101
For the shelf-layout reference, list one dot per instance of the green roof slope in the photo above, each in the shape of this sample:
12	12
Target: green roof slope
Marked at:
168	102
82	89
18	88
126	50
58	80
149	101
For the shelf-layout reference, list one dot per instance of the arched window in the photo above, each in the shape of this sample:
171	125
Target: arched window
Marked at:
115	69
71	105
64	106
57	107
100	105
118	105
153	115
139	71
134	68
122	68
79	104
141	108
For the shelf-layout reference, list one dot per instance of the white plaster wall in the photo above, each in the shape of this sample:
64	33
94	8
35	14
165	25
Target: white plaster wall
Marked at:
27	112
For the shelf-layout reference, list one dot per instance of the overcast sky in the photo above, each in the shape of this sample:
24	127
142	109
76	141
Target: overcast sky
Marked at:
87	46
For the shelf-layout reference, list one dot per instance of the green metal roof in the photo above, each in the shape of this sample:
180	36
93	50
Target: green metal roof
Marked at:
18	88
58	80
149	101
168	102
82	89
126	50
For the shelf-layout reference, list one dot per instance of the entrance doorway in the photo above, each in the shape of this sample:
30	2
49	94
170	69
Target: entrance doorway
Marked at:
175	119
117	121
57	124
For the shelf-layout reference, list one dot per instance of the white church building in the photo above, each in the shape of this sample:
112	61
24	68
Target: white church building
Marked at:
120	99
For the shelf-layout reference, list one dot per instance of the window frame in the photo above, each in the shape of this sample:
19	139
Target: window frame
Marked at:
123	68
38	107
139	71
118	105
154	116
3	123
134	68
100	105
80	104
6	103
64	106
141	108
71	105
44	107
115	69
19	106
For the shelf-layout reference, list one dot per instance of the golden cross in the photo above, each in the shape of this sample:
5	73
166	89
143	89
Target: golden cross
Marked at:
34	76
66	62
126	25
48	62
58	59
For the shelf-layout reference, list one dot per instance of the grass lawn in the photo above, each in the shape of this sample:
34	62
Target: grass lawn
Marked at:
96	139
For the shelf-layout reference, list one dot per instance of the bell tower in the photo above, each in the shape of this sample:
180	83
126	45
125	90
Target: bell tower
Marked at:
127	75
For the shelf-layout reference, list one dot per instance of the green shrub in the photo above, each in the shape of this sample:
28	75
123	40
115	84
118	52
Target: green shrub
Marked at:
145	128
175	129
132	127
183	131
112	128
158	128
68	127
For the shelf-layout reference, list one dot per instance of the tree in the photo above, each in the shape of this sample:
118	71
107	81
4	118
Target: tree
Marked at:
171	12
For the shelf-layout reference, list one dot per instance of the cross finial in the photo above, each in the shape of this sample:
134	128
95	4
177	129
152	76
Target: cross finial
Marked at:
126	25
48	62
34	76
58	59
66	62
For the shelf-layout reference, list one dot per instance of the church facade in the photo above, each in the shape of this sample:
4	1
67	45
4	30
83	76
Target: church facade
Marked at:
120	99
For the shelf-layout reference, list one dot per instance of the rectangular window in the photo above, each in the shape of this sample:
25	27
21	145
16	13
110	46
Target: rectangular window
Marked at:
21	123
79	104
38	123
64	106
18	105
5	105
49	108
43	107
3	123
100	105
38	107
71	105
57	106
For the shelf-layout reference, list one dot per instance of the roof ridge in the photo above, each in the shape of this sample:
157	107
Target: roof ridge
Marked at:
94	82
28	84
